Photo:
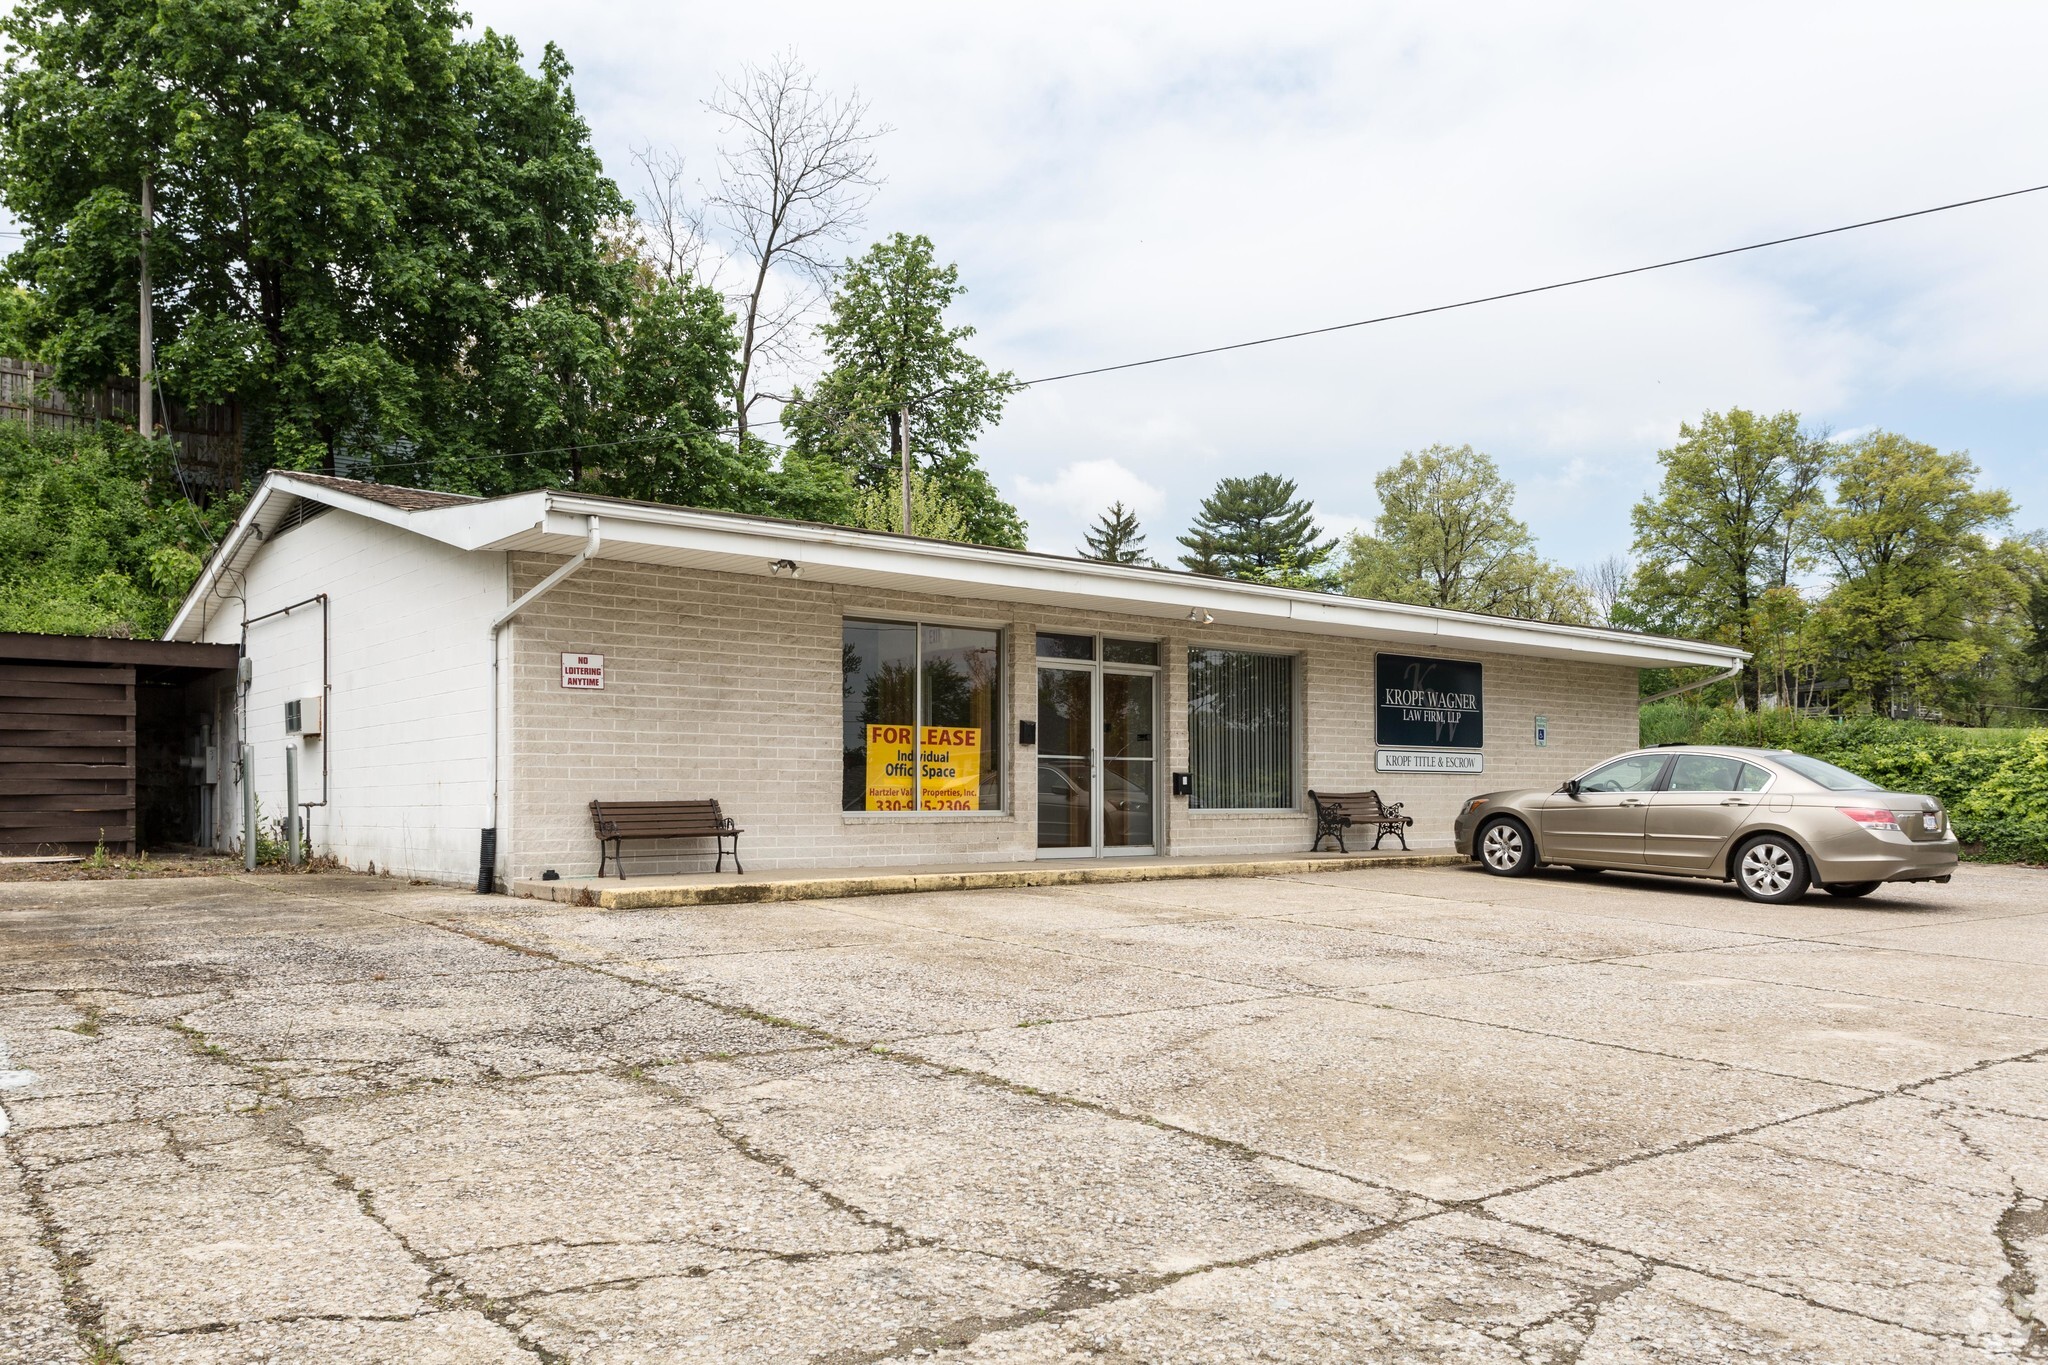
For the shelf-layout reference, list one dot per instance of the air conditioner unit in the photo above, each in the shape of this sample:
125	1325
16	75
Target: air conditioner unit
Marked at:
302	717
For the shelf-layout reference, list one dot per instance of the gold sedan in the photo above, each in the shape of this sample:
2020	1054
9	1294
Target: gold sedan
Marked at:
1772	821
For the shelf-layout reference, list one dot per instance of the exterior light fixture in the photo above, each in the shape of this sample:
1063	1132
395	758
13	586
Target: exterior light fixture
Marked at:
779	567
1200	617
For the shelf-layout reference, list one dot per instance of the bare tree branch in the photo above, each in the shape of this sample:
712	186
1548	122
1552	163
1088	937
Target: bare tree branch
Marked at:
671	220
796	175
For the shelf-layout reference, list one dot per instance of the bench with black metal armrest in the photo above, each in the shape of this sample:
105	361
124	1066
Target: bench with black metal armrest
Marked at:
616	821
1339	811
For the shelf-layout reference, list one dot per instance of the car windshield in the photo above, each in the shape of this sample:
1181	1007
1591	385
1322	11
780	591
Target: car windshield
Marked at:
1827	774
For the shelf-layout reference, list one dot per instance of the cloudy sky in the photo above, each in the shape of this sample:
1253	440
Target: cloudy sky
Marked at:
1116	182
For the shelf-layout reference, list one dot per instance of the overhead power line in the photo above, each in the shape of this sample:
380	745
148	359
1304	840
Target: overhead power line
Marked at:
1522	293
1325	330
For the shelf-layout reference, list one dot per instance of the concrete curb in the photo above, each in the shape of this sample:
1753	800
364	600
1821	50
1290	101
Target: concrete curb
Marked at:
626	896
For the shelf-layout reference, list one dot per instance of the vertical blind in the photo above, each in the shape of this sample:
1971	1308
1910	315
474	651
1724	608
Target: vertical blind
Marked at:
1240	730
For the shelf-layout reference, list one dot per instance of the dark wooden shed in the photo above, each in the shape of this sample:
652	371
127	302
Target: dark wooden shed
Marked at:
70	735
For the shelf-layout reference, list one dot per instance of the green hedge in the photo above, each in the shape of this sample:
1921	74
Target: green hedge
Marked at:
1994	782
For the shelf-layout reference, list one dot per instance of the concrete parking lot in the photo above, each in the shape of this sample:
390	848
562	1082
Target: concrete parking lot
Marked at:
1401	1115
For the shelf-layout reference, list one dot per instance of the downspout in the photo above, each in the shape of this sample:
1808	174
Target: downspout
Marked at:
1733	670
487	859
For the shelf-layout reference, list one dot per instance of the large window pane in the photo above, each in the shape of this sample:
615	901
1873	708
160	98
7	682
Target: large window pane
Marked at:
962	766
879	689
921	711
1240	730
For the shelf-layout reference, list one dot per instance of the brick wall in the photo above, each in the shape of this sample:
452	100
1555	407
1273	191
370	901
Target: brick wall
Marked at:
729	686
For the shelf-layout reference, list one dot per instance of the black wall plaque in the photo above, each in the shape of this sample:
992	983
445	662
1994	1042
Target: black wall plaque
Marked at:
1428	703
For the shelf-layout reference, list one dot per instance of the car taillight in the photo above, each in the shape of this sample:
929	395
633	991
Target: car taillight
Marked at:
1872	818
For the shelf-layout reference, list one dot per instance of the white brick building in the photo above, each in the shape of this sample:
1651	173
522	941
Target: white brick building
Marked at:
772	664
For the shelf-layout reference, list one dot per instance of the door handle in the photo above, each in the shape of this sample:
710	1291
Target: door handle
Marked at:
1733	801
1631	802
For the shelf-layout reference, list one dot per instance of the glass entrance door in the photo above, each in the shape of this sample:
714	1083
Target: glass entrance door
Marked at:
1127	762
1066	759
1097	756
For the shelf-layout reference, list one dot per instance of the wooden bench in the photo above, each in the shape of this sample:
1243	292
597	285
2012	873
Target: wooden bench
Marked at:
616	821
1339	811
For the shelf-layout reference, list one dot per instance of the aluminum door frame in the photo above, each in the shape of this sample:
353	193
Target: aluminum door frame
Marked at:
1096	668
1126	671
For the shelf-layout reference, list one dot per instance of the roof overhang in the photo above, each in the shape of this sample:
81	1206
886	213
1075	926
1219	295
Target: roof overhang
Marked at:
557	523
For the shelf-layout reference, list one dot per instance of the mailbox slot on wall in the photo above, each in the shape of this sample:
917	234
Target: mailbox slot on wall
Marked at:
1027	733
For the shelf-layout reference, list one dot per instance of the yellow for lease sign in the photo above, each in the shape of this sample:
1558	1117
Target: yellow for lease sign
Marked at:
950	767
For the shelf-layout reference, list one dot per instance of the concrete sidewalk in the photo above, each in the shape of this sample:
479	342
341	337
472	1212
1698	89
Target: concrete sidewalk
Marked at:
831	883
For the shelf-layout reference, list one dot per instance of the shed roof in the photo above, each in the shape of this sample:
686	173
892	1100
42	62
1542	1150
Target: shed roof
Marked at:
557	522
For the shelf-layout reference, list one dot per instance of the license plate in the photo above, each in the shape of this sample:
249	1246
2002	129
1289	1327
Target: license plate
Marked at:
1931	821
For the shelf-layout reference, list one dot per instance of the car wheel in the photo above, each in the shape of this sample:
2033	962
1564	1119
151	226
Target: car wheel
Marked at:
1770	868
1850	890
1505	848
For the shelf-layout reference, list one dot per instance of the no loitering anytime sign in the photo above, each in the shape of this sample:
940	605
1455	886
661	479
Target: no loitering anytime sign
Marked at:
583	672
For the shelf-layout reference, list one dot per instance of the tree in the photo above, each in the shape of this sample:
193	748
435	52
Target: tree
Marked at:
934	515
1115	538
2030	662
1255	529
794	186
1447	536
95	535
371	233
1917	591
891	351
1726	525
1604	585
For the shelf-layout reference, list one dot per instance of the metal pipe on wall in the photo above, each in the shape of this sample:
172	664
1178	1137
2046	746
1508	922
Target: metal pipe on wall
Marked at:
291	804
247	759
487	850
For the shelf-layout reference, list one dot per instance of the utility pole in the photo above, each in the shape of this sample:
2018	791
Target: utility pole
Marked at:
903	427
145	417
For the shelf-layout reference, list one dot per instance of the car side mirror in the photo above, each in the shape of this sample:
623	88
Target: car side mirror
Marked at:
1571	788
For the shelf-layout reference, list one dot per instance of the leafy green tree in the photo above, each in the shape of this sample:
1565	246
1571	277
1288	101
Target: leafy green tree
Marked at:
1447	536
1917	589
2030	661
933	514
890	349
381	238
1115	537
95	535
1257	530
1726	525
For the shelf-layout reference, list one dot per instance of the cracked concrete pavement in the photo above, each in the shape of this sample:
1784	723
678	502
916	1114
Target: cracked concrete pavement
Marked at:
1420	1114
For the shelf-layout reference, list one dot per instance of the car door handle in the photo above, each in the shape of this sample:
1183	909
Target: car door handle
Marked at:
1732	801
1631	801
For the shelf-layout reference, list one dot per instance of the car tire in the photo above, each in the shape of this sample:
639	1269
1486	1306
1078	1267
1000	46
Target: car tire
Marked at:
1505	847
1771	869
1850	890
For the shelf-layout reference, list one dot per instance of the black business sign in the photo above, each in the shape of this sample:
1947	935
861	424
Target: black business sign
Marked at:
1428	703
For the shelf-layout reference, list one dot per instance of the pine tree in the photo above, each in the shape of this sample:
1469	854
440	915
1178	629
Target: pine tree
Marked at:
1257	530
1115	538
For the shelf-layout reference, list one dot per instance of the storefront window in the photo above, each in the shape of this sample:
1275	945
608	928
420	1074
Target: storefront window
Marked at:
921	709
1240	730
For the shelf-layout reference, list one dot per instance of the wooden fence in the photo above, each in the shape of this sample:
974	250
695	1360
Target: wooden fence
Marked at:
67	758
208	435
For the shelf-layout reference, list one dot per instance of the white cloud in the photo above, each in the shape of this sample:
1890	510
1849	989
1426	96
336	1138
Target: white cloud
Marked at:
1059	508
1125	181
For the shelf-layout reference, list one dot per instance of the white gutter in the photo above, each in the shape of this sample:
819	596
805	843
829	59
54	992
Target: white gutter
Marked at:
1733	671
486	873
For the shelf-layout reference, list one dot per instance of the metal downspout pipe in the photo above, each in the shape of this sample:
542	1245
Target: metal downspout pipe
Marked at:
487	858
1733	670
